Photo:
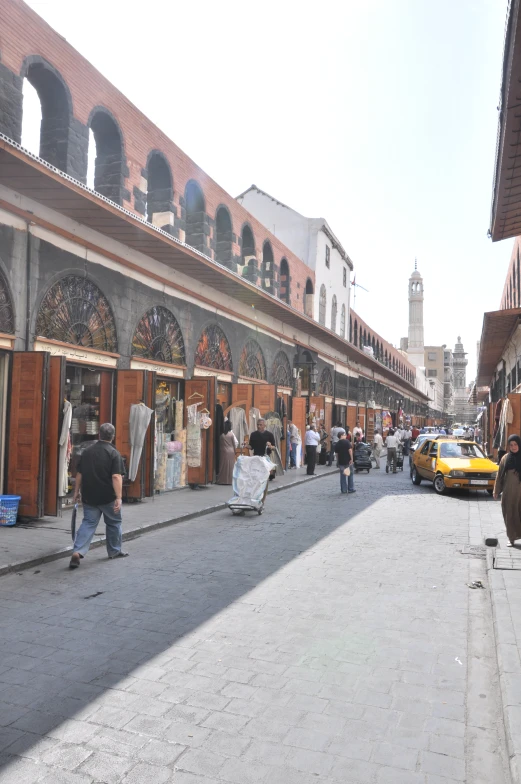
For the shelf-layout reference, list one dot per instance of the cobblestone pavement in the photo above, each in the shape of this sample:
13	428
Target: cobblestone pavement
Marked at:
333	639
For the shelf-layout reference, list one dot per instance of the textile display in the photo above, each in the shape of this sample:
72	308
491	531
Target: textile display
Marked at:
237	417
253	417
65	450
193	444
218	431
174	467
179	410
181	437
274	425
160	472
139	421
250	477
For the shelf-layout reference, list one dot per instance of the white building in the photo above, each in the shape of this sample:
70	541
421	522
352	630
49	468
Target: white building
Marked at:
415	341
312	240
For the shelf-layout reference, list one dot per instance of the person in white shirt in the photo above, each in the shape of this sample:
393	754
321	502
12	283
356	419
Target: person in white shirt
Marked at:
407	438
335	434
357	431
312	441
378	444
391	442
294	439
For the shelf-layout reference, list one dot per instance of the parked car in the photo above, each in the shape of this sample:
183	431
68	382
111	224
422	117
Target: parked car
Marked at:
453	463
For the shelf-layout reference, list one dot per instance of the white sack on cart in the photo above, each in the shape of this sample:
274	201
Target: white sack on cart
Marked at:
250	475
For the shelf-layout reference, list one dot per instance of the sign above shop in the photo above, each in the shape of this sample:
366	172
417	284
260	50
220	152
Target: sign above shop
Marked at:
76	353
219	376
161	368
7	341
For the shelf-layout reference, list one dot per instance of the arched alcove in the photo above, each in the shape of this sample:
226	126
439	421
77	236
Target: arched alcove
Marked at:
109	164
195	233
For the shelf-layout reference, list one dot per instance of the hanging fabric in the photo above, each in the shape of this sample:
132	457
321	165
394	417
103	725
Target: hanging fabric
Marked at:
65	450
253	417
237	417
139	421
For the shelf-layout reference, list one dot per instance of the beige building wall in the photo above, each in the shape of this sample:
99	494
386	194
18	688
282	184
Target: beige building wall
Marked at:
434	367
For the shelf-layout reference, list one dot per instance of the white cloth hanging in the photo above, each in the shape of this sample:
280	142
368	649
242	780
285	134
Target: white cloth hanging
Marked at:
139	422
63	463
237	417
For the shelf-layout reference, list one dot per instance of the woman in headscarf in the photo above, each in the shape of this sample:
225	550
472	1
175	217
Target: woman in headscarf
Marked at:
508	485
227	446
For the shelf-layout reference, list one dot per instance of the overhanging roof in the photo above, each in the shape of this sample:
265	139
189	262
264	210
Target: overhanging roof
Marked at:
32	177
505	219
498	326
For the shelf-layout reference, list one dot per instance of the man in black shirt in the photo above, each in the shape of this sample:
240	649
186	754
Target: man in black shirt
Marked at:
100	482
261	441
344	450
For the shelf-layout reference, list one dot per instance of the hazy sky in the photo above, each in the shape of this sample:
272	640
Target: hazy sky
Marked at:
379	116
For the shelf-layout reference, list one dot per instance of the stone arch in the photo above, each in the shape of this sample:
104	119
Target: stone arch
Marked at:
251	362
355	334
281	370
343	321
213	349
248	253
223	236
267	266
322	305
334	307
107	157
325	386
158	337
160	192
56	114
309	305
74	310
195	222
284	281
350	329
7	317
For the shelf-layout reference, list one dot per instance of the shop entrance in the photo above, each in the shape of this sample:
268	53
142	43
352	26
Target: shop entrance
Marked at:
169	470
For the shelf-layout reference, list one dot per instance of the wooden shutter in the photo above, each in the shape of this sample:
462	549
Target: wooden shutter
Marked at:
320	405
55	397
298	408
26	430
243	392
264	398
130	389
202	390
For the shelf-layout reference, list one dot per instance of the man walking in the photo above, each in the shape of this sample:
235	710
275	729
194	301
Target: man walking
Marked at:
312	441
391	442
293	442
378	445
334	433
344	450
262	442
100	482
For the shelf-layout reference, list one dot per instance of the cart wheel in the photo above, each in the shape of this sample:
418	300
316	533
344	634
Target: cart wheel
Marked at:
260	511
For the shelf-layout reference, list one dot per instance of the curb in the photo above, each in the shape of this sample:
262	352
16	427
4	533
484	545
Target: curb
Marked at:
508	663
134	533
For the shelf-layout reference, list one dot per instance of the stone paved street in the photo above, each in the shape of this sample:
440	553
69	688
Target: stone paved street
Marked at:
333	639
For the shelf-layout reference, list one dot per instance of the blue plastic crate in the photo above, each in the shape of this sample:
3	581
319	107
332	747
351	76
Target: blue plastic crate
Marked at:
9	509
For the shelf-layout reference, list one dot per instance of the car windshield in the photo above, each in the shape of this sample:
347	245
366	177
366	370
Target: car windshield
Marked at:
463	450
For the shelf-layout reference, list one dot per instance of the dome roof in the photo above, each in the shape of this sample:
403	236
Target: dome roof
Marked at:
416	275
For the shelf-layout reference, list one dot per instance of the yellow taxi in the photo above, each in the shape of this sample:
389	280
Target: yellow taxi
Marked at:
451	463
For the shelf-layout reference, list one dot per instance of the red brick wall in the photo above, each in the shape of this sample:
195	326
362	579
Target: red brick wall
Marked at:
24	33
404	364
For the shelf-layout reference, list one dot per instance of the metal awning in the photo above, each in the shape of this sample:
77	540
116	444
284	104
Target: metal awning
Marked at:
35	178
498	326
505	219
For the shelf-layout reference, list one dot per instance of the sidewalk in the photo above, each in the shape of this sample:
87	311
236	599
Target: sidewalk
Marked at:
29	544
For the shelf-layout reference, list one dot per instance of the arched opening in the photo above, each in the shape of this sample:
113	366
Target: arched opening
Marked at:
160	192
7	324
325	386
223	237
334	307
46	114
267	267
109	166
350	329
281	370
309	308
373	344
251	363
343	321
322	304
355	335
213	350
158	337
386	360
195	217
284	291
248	255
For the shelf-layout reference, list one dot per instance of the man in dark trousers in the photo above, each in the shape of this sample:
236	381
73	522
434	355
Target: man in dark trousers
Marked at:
344	450
100	482
261	441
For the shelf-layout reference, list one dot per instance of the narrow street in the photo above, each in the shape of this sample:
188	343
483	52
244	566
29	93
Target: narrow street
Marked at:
333	639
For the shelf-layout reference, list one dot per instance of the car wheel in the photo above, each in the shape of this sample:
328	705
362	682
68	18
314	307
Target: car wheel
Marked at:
439	484
416	478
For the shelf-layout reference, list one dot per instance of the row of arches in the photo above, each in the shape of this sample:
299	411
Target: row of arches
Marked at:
95	155
360	337
322	308
74	310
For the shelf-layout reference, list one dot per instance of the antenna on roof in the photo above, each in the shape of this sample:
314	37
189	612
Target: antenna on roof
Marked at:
415	263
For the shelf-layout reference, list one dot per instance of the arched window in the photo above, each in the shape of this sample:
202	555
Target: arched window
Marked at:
158	337
213	350
333	313
309	306
350	329
322	305
106	160
386	360
373	345
343	321
74	310
325	386
6	307
355	340
284	291
195	217
223	237
45	96
248	255
267	267
160	192
251	363
281	370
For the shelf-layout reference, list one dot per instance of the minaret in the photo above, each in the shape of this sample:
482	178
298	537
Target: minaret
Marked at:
415	350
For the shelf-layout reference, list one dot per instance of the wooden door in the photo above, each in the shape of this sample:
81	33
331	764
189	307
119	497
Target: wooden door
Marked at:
150	440
328	424
351	417
55	398
299	405
243	391
264	396
26	430
131	388
202	390
320	406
